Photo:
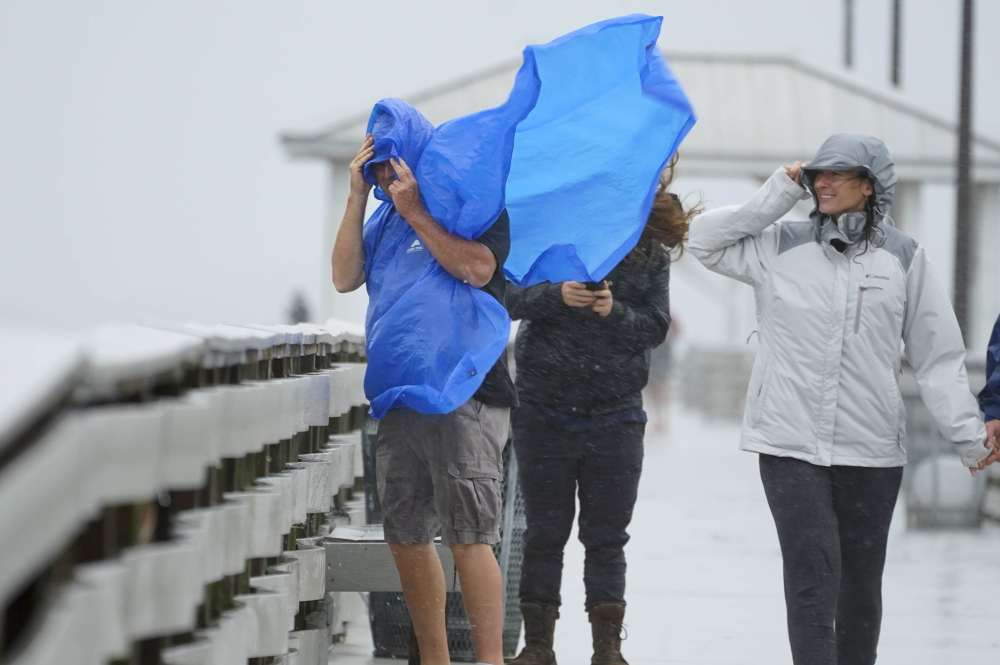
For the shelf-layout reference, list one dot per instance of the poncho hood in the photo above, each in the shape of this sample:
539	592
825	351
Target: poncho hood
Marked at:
856	152
399	131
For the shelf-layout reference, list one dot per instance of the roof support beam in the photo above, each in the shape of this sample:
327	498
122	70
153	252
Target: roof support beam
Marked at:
849	34
897	10
965	235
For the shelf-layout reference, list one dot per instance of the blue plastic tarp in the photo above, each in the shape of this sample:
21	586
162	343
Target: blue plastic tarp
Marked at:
599	116
588	157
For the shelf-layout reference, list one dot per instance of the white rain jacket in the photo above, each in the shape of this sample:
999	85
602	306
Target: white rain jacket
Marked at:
825	382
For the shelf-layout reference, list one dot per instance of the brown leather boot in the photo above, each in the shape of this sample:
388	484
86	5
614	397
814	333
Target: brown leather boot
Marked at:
539	631
606	627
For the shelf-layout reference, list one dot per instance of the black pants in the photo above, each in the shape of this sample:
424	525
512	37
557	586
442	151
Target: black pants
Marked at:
553	465
833	523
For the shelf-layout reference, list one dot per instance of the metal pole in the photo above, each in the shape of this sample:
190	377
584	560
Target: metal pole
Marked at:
896	18
964	231
849	33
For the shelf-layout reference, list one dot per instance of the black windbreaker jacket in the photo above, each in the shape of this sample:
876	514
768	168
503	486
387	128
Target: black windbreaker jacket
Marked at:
580	363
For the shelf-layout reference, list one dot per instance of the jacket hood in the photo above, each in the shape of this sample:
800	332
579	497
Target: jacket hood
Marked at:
399	131
856	152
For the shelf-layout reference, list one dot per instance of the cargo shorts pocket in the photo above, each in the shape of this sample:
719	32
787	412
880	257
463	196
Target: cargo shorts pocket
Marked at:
476	494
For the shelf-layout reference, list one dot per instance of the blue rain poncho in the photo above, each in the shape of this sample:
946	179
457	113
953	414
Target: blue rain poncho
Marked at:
588	157
579	174
431	338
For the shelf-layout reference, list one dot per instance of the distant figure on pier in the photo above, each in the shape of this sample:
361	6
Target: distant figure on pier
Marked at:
836	295
298	311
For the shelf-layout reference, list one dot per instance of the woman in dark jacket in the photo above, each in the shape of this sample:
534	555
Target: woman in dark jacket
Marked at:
582	361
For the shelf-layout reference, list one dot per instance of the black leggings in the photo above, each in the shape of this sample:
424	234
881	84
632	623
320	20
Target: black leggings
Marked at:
553	465
833	523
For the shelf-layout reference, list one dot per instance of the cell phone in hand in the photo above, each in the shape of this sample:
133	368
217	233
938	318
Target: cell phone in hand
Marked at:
594	286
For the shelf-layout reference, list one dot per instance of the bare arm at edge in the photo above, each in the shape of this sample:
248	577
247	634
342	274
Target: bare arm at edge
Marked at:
348	257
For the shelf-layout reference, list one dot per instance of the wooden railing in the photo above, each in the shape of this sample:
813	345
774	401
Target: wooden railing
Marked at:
162	488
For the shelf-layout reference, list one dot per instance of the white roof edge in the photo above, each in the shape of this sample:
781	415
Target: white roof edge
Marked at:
310	143
860	85
317	132
303	148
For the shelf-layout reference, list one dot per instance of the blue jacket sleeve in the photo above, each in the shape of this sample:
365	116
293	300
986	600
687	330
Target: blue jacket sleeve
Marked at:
989	397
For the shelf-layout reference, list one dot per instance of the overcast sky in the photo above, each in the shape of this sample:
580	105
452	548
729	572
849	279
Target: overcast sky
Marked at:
140	173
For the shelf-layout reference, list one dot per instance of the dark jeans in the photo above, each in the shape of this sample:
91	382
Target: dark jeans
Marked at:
552	464
833	523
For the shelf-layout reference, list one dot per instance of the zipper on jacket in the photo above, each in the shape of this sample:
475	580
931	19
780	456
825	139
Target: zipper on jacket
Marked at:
861	298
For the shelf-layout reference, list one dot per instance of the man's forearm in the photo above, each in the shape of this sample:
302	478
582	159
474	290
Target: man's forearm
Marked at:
466	260
348	258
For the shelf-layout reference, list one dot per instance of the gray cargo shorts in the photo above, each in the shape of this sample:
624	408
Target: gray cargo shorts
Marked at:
442	473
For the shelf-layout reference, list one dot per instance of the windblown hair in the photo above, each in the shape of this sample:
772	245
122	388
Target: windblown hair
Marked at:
668	221
872	234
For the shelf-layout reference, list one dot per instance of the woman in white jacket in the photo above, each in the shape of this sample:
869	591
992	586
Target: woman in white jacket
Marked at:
836	295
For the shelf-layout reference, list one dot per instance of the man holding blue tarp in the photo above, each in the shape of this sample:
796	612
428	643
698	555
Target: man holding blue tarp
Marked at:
436	472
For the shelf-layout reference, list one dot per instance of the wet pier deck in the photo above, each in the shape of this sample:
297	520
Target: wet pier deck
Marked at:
704	580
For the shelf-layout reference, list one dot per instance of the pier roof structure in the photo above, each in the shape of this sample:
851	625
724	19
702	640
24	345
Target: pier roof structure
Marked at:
754	112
